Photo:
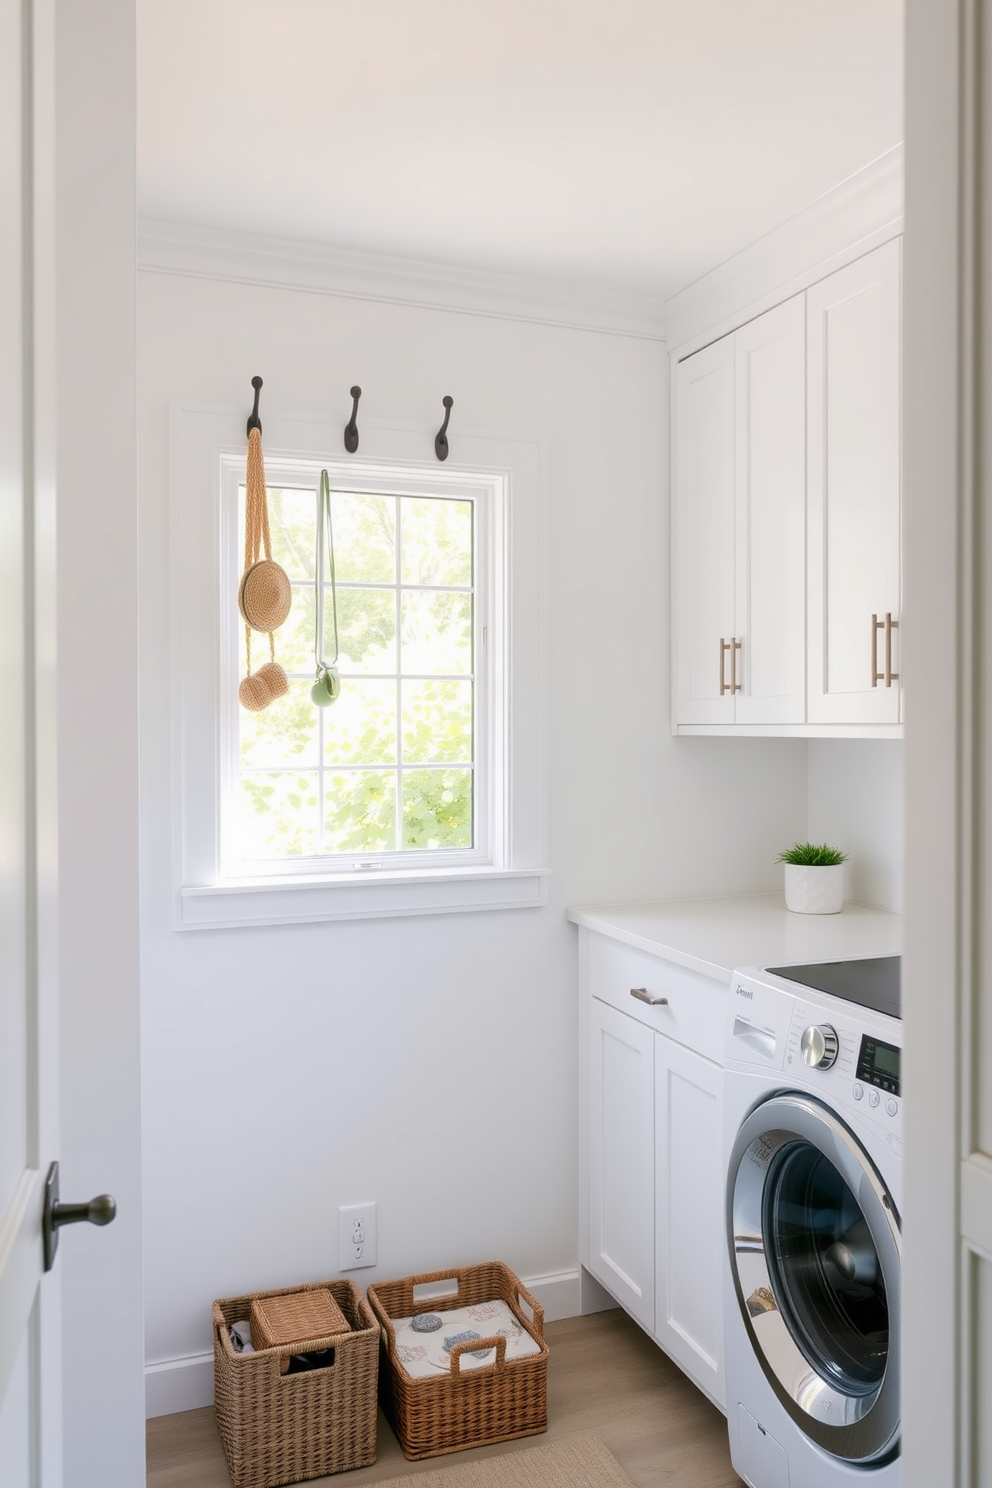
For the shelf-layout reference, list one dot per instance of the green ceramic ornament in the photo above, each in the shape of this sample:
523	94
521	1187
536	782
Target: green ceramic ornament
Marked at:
327	687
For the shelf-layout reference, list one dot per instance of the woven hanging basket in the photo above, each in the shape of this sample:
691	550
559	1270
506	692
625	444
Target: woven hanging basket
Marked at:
265	595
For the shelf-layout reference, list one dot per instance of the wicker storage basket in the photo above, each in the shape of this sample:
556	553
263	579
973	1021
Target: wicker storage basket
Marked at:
281	1428
464	1408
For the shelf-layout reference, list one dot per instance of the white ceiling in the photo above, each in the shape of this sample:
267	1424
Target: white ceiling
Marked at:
627	145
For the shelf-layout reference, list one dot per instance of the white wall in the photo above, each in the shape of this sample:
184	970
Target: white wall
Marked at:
856	804
281	1066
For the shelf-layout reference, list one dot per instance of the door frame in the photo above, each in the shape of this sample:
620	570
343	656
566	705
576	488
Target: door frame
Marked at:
947	997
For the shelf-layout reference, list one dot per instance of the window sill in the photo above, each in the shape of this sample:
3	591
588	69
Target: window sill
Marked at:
354	896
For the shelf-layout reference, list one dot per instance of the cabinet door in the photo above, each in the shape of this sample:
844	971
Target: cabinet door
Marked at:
770	590
621	1158
689	1213
854	568
703	534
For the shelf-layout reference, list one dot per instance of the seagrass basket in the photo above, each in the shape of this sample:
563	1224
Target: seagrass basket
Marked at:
282	1428
463	1408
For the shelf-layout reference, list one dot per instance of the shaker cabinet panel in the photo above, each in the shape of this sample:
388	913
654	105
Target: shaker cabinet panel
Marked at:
770	516
621	1159
704	534
689	1223
853	492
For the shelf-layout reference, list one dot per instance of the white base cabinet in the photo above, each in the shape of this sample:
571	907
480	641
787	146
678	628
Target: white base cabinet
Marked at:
651	1148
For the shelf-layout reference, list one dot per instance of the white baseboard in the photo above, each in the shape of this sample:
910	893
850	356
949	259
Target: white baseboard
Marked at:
559	1294
173	1385
183	1384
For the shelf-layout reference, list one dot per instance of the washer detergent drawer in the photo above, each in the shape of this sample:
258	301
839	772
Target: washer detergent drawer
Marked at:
695	1007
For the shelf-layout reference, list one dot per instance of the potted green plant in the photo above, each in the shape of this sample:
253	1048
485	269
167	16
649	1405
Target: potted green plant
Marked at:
814	878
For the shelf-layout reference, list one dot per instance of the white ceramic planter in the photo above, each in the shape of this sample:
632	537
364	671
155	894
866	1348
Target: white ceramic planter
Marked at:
814	890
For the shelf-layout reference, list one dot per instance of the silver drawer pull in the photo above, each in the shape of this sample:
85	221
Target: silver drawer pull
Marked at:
643	995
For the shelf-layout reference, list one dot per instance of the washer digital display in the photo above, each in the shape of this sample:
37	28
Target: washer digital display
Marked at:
879	1064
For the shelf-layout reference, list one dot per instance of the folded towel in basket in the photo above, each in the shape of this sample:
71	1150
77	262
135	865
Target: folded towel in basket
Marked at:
422	1354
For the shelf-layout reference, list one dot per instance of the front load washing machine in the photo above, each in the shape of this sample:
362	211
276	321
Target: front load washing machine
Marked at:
813	1152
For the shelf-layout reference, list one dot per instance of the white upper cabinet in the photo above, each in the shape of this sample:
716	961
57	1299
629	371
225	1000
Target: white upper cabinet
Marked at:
704	534
853	492
786	515
770	505
739	525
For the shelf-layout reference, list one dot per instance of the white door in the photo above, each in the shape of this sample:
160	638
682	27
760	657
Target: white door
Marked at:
703	536
29	1302
689	1212
854	491
621	1158
71	1380
770	522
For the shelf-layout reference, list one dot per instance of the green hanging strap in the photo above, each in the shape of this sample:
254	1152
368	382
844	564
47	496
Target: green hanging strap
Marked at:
327	687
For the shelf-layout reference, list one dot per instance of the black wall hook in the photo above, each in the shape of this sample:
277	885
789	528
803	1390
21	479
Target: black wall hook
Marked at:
254	422
441	438
351	429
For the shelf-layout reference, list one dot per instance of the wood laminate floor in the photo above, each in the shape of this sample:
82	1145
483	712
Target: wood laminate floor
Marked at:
604	1375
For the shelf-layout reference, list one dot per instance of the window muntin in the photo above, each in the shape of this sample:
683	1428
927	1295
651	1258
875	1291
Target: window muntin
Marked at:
389	775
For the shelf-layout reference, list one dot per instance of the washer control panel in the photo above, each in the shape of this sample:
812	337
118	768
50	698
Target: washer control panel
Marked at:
879	1064
859	1071
847	1056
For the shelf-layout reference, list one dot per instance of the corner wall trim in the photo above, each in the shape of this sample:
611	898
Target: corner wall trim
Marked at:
187	1383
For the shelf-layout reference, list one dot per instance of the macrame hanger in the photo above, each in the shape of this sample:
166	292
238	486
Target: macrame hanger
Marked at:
257	535
265	593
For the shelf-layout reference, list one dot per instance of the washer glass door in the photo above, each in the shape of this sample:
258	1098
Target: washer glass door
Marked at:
815	1258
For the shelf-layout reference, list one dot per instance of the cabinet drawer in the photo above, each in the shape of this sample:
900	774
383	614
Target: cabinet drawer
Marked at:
696	1008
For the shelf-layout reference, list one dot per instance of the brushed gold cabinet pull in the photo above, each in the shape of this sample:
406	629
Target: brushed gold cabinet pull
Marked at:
890	626
876	626
643	995
724	648
735	686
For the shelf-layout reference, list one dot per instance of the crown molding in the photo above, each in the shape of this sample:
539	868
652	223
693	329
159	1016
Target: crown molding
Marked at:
847	221
202	252
844	223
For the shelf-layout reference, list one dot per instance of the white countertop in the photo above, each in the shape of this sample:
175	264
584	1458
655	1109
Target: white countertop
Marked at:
715	936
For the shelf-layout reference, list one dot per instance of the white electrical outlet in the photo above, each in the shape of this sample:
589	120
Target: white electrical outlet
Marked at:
357	1235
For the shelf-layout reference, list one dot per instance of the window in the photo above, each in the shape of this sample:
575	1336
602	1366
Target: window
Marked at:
394	771
420	789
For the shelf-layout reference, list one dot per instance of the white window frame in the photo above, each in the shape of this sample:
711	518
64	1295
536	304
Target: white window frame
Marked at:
504	477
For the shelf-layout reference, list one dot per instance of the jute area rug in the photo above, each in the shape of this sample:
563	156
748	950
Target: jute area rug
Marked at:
575	1462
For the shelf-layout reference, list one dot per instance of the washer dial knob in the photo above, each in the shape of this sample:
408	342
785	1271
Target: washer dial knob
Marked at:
819	1046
